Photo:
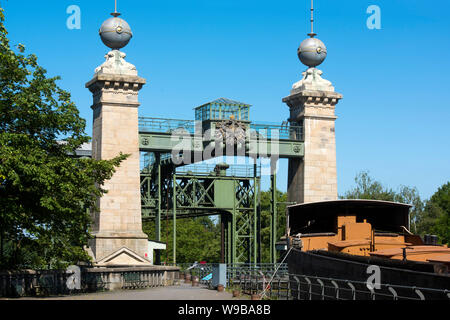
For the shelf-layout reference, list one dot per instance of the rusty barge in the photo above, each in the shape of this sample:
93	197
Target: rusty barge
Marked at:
341	239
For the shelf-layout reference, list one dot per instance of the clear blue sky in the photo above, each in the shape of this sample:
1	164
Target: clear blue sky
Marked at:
393	120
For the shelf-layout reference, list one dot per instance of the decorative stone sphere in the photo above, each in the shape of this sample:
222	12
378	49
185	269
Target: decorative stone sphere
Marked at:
312	52
115	33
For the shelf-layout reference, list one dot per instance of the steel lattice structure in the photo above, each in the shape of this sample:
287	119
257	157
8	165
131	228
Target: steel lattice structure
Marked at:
165	193
170	189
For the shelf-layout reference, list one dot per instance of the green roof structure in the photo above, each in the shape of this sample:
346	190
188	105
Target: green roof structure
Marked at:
223	109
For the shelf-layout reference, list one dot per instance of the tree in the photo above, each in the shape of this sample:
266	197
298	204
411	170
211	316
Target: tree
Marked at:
266	216
368	188
410	195
435	218
198	239
44	193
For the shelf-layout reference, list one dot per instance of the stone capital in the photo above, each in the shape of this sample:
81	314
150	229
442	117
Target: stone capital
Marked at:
312	104
115	89
312	97
113	78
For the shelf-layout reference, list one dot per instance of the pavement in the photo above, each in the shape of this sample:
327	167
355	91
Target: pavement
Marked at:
180	292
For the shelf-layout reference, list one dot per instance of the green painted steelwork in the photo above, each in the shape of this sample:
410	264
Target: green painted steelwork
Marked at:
222	109
234	198
166	143
274	216
173	187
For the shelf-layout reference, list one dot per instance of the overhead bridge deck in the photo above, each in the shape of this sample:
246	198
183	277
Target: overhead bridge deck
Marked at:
200	140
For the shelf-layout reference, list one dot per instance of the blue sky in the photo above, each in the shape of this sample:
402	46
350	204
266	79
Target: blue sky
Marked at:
393	120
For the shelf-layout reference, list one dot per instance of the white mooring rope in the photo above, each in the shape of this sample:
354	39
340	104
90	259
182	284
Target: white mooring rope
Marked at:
273	276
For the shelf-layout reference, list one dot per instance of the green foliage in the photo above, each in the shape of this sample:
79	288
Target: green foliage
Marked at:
44	193
427	217
436	216
410	195
266	214
368	188
198	239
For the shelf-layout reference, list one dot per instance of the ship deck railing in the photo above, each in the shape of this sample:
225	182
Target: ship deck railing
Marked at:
273	281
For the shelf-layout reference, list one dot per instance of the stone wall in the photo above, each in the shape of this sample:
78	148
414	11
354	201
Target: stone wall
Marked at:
54	282
314	178
117	225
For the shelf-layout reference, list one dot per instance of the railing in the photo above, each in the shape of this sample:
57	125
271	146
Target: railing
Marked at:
278	132
262	130
197	269
55	282
250	278
148	160
49	283
232	171
283	286
142	279
236	272
272	281
319	288
240	170
268	285
165	125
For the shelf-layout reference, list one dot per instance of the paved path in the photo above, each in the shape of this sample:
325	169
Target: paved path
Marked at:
181	292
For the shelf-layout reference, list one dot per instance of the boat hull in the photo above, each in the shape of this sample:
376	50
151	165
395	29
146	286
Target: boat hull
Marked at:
353	268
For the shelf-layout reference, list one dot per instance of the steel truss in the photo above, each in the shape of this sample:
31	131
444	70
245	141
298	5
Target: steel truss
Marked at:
169	194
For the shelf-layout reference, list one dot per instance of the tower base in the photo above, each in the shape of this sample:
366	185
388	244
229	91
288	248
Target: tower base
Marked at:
119	249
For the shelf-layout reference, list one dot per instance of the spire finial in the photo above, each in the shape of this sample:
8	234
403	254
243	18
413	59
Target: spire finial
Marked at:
312	34
312	52
115	13
115	32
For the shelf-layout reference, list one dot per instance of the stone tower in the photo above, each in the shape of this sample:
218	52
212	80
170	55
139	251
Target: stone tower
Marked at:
312	105
118	238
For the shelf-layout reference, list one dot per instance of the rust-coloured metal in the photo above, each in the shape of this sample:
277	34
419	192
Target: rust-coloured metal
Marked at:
356	236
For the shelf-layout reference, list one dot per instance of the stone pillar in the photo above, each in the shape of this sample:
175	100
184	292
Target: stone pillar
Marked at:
312	105
117	226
